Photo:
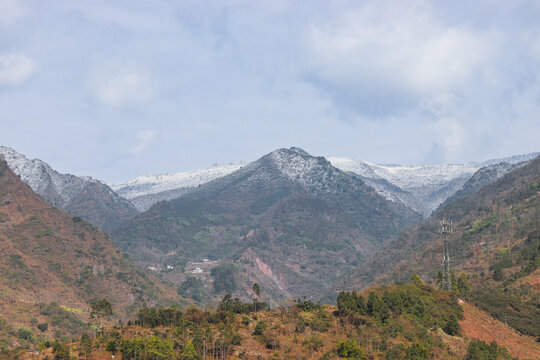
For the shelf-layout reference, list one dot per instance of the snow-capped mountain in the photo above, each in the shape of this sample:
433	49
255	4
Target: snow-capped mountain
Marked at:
144	191
276	216
82	196
422	187
484	176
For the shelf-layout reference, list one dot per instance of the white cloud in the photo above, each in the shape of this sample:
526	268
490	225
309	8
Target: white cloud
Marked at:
439	104
144	139
397	49
15	69
450	137
10	11
123	88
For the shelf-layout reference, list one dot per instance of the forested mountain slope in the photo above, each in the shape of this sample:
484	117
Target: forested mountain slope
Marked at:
290	221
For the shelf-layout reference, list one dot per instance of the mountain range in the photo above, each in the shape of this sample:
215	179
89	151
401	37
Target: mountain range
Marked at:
88	198
296	224
421	187
290	221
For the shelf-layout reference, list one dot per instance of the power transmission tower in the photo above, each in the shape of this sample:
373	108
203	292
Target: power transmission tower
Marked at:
446	228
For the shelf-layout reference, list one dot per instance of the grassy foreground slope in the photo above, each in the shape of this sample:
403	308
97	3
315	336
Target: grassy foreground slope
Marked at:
407	321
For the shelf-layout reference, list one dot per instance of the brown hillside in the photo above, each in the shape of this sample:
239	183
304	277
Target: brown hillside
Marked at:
49	256
479	325
303	330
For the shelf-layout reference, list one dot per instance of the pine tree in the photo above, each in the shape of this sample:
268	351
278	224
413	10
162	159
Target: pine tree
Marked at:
189	352
86	346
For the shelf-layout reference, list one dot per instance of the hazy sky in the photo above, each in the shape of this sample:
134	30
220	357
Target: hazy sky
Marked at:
116	89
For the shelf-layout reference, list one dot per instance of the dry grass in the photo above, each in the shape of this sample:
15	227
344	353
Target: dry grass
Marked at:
479	325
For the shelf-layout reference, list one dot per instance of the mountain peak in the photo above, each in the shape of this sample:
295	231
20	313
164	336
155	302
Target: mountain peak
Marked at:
71	193
299	150
299	166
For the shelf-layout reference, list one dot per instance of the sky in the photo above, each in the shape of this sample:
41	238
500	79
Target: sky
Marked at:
120	88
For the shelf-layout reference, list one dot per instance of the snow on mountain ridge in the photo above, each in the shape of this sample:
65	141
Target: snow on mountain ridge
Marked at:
298	166
82	196
421	187
153	184
39	176
424	187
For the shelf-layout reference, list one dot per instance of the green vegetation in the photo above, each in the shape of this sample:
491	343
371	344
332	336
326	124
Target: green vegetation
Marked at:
480	350
259	328
100	310
480	225
350	350
225	278
426	307
154	348
192	288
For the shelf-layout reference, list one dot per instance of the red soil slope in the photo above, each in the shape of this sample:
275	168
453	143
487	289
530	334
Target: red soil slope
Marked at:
479	325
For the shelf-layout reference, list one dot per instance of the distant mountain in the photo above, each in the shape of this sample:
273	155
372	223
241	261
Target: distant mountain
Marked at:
495	243
484	176
82	196
50	259
145	191
290	221
422	187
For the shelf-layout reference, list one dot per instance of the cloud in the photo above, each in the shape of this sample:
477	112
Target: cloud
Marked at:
450	139
123	88
395	53
144	139
15	69
440	104
12	10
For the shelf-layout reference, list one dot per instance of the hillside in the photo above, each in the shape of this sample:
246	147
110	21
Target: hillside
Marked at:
408	321
289	221
82	196
53	265
477	324
494	245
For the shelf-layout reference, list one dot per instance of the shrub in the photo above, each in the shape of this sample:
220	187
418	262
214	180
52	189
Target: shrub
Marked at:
350	350
25	334
480	350
313	343
259	328
451	326
60	351
417	351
